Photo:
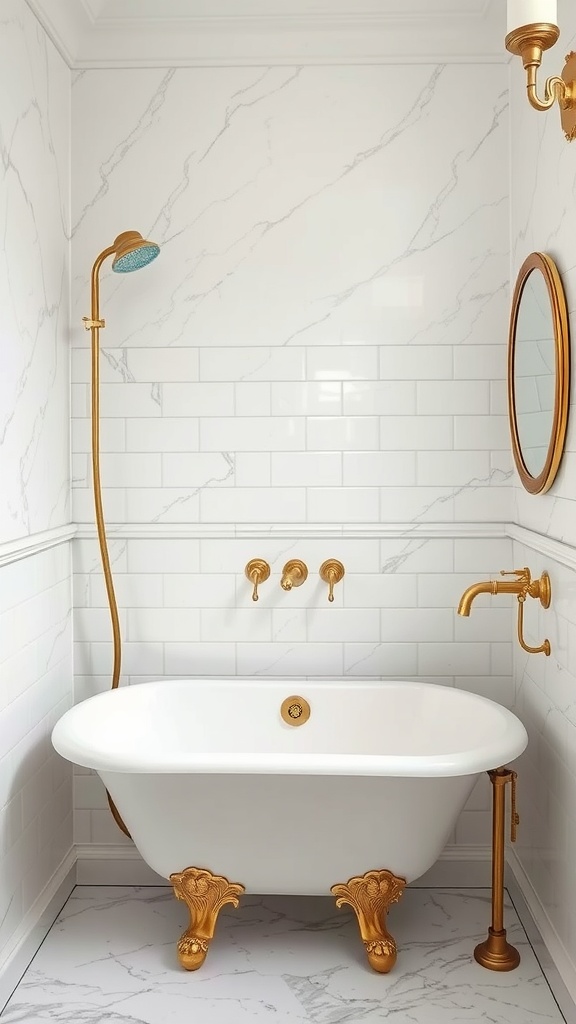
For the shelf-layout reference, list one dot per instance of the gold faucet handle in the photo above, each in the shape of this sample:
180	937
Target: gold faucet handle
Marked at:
522	574
331	572
257	571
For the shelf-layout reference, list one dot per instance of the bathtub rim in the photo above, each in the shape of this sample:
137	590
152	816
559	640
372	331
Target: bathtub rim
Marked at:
490	755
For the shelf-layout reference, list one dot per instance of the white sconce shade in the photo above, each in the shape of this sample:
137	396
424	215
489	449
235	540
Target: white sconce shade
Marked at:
531	12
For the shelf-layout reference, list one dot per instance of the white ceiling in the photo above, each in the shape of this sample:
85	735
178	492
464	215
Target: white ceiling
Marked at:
144	33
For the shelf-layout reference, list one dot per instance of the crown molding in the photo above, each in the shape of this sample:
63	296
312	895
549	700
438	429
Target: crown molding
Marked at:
66	23
88	36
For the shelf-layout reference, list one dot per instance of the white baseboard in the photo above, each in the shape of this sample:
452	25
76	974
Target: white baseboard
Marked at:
113	865
554	959
35	926
466	866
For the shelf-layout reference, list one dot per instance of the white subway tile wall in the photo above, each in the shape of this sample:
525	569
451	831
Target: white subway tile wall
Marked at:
543	210
36	678
35	591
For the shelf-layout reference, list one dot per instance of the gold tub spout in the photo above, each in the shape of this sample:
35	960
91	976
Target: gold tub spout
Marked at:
294	574
489	587
522	586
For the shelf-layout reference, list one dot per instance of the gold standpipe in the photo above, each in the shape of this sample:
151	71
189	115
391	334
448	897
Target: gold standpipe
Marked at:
523	586
294	574
331	572
257	571
496	953
130	252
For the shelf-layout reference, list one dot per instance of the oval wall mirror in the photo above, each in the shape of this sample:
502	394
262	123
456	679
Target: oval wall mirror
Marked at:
538	372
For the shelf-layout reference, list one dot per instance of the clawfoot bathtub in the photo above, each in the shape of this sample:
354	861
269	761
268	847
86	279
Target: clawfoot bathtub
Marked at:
210	776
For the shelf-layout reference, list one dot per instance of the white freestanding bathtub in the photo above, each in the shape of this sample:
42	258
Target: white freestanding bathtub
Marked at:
207	773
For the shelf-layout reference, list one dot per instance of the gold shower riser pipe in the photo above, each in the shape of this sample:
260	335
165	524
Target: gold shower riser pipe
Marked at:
99	512
131	251
97	486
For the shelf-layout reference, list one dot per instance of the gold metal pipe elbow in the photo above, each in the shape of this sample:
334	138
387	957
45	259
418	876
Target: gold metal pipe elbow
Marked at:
465	604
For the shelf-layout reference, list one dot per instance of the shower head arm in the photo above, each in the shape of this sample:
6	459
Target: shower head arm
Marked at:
95	289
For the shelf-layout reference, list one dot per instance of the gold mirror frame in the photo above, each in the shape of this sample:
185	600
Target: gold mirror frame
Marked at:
540	261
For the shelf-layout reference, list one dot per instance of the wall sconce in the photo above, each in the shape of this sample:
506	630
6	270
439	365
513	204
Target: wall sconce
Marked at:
532	28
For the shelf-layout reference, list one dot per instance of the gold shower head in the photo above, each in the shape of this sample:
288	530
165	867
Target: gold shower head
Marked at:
133	252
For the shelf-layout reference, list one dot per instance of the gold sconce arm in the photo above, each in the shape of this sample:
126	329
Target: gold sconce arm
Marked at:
555	90
528	42
331	572
257	571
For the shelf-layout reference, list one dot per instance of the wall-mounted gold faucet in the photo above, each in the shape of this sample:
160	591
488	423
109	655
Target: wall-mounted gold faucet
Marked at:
331	572
257	571
294	574
523	586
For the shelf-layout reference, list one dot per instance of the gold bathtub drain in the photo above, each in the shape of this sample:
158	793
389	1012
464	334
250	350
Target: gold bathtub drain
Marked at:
295	710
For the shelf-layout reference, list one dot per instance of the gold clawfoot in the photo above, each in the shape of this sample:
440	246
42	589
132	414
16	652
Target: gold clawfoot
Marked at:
204	894
370	896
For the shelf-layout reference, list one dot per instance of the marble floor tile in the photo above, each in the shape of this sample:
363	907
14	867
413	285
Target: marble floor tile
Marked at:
111	957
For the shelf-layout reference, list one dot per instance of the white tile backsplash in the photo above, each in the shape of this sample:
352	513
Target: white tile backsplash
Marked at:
416	362
252	433
202	399
361	469
170	365
313	469
168	434
344	504
342	433
252	364
416	433
307	399
344	363
458	397
379	397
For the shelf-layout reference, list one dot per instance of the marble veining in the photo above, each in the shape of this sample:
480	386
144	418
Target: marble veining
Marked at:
34	190
111	956
305	267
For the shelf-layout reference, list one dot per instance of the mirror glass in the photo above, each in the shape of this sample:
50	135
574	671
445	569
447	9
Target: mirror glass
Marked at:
534	372
538	372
